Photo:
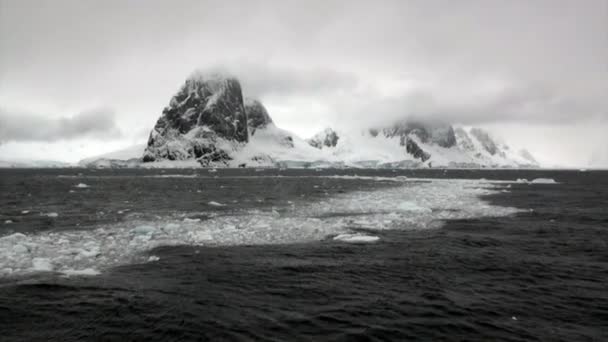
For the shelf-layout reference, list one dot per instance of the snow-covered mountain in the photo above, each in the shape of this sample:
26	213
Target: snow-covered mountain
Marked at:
27	163
210	123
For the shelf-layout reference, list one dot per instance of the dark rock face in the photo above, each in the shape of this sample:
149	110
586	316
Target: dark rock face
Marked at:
326	138
413	148
437	134
442	135
205	109
257	115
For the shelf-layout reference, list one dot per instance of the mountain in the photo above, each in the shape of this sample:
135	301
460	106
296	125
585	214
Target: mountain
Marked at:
26	163
209	123
205	120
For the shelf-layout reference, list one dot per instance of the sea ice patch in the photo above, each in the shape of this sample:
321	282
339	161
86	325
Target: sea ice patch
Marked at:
407	205
81	186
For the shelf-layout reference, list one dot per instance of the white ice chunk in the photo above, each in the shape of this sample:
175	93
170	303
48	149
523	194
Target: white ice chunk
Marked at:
153	258
143	230
216	204
50	214
356	238
42	264
8	222
83	272
543	181
81	185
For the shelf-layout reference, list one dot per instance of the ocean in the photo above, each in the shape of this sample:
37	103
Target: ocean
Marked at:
303	255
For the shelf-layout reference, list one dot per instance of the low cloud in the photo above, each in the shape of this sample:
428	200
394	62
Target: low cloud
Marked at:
22	126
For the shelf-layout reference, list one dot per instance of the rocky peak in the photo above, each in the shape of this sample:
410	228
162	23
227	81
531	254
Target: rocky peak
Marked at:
257	115
326	138
439	134
206	108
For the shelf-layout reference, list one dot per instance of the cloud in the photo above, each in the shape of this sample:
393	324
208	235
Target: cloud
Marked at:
318	62
28	127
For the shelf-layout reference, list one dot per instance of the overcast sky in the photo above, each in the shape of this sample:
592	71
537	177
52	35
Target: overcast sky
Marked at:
79	78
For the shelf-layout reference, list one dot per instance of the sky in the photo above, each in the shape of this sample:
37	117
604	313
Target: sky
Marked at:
80	78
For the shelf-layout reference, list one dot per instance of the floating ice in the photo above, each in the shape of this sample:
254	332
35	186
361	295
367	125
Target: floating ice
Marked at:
50	214
216	204
356	238
83	272
25	212
8	222
407	205
543	181
153	258
413	206
174	176
521	180
144	230
42	264
81	185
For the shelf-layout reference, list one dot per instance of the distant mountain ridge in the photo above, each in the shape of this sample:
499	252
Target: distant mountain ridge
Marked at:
209	123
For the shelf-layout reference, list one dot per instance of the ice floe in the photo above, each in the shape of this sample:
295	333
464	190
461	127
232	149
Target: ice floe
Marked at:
356	238
410	204
543	181
81	185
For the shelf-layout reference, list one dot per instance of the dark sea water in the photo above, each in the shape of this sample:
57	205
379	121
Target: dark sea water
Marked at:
538	274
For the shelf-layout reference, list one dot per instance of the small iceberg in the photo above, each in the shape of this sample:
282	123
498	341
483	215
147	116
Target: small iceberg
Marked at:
356	238
414	207
543	181
143	230
82	272
216	204
81	185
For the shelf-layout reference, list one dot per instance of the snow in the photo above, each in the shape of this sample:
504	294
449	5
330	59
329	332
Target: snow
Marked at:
273	146
356	238
131	152
131	240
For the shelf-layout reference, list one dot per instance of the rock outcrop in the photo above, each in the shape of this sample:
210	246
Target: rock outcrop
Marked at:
326	138
257	115
204	120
